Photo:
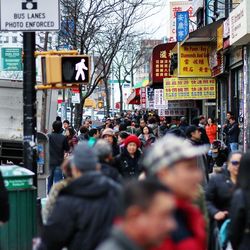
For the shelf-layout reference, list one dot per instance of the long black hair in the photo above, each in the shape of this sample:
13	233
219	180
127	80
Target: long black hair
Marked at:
243	180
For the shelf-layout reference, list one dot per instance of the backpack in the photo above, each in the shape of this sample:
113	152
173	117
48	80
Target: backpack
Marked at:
223	234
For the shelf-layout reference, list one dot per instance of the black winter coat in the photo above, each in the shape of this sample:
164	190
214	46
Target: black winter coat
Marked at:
219	192
233	133
83	214
128	166
111	172
239	233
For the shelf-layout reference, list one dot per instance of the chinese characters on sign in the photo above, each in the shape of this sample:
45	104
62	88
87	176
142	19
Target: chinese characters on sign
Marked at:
150	98
159	101
182	25
177	6
143	98
172	112
161	62
189	88
193	61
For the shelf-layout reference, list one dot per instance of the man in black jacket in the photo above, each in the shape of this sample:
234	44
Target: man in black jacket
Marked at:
233	134
58	145
85	209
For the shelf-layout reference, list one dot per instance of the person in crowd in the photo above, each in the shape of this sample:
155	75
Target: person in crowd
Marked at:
121	138
85	209
94	134
183	124
239	230
142	125
132	129
173	161
4	202
66	124
58	146
193	135
202	121
220	188
56	189
211	130
108	134
198	122
233	134
71	138
163	127
152	123
146	137
128	160
87	124
147	219
104	153
226	127
84	134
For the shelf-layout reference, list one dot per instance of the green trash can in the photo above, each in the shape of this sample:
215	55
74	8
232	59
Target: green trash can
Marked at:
17	234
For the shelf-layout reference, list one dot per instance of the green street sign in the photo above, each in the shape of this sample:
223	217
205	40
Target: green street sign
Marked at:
11	59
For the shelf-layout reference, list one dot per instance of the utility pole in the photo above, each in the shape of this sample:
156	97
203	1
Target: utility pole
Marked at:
29	103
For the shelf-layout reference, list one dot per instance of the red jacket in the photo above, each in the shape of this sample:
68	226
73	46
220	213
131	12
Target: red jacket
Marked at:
211	131
190	233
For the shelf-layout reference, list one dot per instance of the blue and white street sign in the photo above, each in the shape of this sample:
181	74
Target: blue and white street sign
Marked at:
182	25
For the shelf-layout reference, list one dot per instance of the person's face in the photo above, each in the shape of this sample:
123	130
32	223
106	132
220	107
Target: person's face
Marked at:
196	135
203	121
67	132
108	138
133	124
145	130
228	116
233	164
86	124
120	140
97	135
183	178
65	125
132	147
209	121
142	124
157	221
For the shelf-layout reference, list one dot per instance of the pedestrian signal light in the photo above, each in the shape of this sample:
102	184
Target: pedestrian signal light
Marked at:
51	69
75	69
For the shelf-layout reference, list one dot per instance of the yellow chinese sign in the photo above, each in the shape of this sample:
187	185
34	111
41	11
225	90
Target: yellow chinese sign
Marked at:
193	61
189	88
220	38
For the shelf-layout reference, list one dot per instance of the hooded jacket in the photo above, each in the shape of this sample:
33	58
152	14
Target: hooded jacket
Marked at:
190	233
83	214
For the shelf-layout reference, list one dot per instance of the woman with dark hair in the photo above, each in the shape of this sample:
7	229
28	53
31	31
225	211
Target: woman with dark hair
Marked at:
239	233
71	137
146	137
211	130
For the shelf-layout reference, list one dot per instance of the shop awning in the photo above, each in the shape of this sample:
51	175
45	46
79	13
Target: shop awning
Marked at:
144	83
134	97
207	33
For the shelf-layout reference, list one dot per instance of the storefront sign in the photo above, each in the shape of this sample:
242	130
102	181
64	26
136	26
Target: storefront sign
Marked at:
189	88
172	112
178	6
159	101
150	98
220	38
193	61
182	25
219	68
226	28
239	24
181	104
161	62
143	98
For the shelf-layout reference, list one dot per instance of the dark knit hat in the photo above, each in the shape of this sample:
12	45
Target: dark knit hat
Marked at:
132	138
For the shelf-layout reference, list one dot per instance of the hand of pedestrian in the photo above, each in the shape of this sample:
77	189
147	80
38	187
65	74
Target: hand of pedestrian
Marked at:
220	215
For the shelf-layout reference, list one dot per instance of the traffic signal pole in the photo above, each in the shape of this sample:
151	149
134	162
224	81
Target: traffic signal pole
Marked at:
29	103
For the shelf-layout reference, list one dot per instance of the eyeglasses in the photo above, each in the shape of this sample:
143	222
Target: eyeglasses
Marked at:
235	163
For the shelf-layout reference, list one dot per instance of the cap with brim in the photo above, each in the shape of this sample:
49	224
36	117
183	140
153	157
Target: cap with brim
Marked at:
170	150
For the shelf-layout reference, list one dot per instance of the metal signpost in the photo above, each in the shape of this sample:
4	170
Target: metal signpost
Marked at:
29	16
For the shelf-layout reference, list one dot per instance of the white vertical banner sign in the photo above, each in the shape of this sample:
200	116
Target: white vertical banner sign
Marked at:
159	101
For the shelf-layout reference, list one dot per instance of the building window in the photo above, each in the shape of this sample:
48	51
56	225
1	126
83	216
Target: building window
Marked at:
6	39
14	39
42	39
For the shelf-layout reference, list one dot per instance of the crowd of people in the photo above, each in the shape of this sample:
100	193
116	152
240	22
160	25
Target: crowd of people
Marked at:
139	182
